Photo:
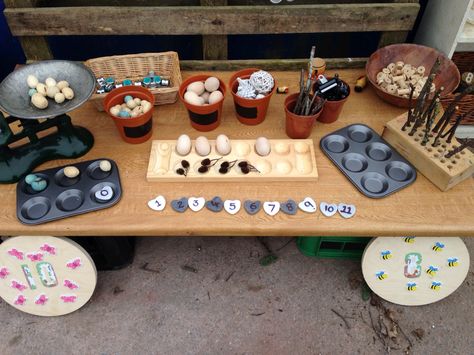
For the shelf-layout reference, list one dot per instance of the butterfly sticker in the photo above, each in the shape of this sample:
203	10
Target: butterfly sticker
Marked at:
68	298
4	273
74	264
48	249
35	256
19	286
16	253
20	300
70	284
41	300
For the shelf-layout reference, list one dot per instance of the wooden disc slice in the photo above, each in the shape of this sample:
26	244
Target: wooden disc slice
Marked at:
415	271
45	276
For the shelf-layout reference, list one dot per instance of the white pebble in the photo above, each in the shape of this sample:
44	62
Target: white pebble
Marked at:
50	82
262	146
59	98
39	101
223	145
202	146
105	165
41	88
114	111
32	81
146	106
71	172
183	144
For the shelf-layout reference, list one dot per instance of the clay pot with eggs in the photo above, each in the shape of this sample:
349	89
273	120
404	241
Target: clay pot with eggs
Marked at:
204	110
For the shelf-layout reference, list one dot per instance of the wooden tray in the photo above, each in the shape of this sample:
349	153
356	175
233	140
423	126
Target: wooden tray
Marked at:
289	160
429	160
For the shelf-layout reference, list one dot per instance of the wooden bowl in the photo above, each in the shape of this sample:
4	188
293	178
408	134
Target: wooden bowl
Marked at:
416	55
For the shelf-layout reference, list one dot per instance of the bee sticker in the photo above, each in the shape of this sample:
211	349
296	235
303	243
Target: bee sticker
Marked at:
453	262
411	286
438	246
435	285
412	267
386	254
409	240
432	270
381	275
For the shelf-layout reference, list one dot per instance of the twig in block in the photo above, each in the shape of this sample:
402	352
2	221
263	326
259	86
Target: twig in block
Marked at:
425	91
429	123
443	127
410	106
465	142
452	130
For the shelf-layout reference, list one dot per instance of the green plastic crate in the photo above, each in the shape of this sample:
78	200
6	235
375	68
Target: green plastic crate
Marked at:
333	247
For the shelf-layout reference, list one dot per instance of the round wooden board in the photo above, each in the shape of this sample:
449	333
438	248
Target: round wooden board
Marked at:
415	271
45	276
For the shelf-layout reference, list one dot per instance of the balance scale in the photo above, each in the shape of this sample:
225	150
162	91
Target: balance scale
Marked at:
25	141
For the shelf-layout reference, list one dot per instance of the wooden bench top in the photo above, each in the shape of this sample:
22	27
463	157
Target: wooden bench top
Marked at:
420	209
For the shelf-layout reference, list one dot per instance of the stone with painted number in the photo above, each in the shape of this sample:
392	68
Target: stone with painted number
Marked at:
328	209
104	194
289	207
196	203
252	207
180	205
346	211
215	205
271	207
308	205
157	204
232	206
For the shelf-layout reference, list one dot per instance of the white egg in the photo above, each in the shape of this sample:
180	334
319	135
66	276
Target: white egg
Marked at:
192	98
32	81
41	88
196	87
39	101
262	146
205	96
62	84
215	97
68	93
114	111
50	82
211	84
223	145
202	146
51	91
59	98
183	145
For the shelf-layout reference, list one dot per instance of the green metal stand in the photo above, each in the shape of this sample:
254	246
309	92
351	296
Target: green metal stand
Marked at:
333	247
17	161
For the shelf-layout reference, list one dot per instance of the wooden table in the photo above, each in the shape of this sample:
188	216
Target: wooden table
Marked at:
420	209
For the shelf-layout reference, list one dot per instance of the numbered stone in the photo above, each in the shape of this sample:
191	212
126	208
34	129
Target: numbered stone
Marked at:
252	207
327	209
215	205
180	205
271	207
157	204
104	194
308	205
289	207
232	206
346	211
196	203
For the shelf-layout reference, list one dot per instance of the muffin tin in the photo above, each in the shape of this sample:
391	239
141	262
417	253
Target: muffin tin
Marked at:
368	161
93	189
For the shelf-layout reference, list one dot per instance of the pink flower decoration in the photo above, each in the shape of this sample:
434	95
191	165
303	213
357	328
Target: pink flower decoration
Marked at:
20	300
35	256
70	284
41	300
4	273
18	286
74	264
16	253
69	299
48	249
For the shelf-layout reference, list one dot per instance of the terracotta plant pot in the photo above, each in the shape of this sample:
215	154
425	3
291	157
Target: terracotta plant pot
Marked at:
203	118
332	109
298	127
133	129
249	111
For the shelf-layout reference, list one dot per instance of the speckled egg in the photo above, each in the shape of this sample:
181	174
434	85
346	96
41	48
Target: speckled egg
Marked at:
202	146
211	84
262	146
223	145
196	87
41	88
68	93
62	84
39	101
59	98
183	145
215	97
32	81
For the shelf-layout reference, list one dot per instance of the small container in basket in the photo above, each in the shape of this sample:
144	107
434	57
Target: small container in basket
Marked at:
132	129
135	67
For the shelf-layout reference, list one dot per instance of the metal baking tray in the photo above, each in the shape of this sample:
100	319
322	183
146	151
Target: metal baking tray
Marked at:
66	197
368	161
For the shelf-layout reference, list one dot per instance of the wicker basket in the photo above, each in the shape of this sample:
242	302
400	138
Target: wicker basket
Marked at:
465	62
137	66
